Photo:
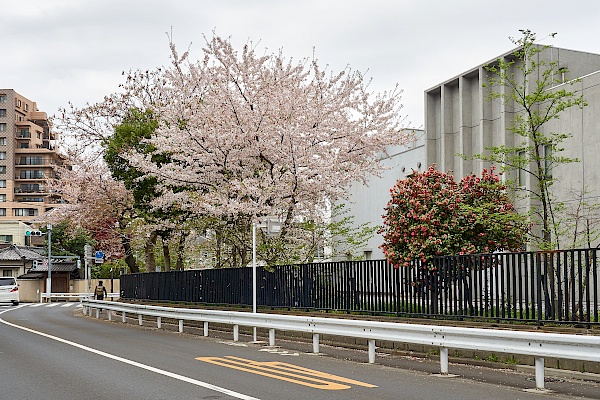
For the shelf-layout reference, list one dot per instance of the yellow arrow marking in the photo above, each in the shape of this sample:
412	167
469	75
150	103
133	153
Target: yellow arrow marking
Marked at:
286	372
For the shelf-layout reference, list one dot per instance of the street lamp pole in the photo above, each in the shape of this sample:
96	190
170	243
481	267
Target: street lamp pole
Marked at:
254	274
273	228
49	281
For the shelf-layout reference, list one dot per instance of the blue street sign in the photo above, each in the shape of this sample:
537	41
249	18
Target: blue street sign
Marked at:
99	257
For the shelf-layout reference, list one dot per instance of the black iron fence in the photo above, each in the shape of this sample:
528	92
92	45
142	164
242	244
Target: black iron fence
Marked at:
559	286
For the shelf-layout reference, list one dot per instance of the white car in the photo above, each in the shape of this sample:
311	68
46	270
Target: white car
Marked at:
9	290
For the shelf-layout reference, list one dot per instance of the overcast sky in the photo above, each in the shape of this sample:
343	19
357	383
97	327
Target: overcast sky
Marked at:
56	51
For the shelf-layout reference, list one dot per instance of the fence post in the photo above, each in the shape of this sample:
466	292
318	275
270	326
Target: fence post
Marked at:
538	272
180	325
236	333
205	331
123	316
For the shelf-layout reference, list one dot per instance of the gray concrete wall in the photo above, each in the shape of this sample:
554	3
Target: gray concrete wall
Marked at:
460	119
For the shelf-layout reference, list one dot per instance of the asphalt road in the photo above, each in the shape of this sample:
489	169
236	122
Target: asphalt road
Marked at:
55	352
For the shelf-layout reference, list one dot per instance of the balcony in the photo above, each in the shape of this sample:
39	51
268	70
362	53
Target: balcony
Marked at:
35	177
32	161
29	190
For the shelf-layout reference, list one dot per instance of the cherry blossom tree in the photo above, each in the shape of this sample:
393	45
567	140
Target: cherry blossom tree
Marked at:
431	215
250	135
97	203
241	135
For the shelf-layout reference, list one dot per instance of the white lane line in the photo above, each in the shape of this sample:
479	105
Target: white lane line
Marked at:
67	304
134	363
52	304
37	304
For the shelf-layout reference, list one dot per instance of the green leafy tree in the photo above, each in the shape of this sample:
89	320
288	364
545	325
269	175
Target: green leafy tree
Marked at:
431	215
529	83
69	240
129	136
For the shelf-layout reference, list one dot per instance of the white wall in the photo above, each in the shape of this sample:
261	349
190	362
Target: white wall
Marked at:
367	202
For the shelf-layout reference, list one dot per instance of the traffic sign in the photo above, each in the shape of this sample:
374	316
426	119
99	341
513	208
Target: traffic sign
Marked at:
99	257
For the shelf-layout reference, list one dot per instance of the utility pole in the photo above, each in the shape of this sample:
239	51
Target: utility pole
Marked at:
87	249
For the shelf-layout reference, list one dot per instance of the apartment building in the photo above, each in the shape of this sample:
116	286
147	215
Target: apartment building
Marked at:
27	157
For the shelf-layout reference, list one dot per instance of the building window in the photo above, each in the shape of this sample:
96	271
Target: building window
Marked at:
26	212
2	169
32	174
2	127
2	112
19	103
2	183
23	145
31	161
2	98
2	141
30	188
2	212
7	272
6	238
26	106
2	198
2	155
24	133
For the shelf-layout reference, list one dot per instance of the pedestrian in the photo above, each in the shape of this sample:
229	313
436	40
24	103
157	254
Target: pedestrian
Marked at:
100	291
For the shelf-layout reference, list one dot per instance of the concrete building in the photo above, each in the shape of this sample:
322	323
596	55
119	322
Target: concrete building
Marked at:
366	203
460	119
27	157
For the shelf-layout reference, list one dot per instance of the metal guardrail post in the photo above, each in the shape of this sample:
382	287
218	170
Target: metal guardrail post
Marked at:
443	361
539	373
371	351
271	337
316	343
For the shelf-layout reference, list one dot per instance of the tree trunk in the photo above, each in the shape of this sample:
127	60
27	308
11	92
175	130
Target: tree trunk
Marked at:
180	253
129	259
149	252
167	255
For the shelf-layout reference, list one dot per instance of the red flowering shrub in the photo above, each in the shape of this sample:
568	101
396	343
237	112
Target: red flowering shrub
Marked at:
431	215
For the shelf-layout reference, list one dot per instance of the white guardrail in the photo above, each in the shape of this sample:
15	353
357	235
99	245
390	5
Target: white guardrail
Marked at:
69	296
537	344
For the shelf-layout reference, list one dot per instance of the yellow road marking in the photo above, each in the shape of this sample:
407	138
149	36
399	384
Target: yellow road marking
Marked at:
286	372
